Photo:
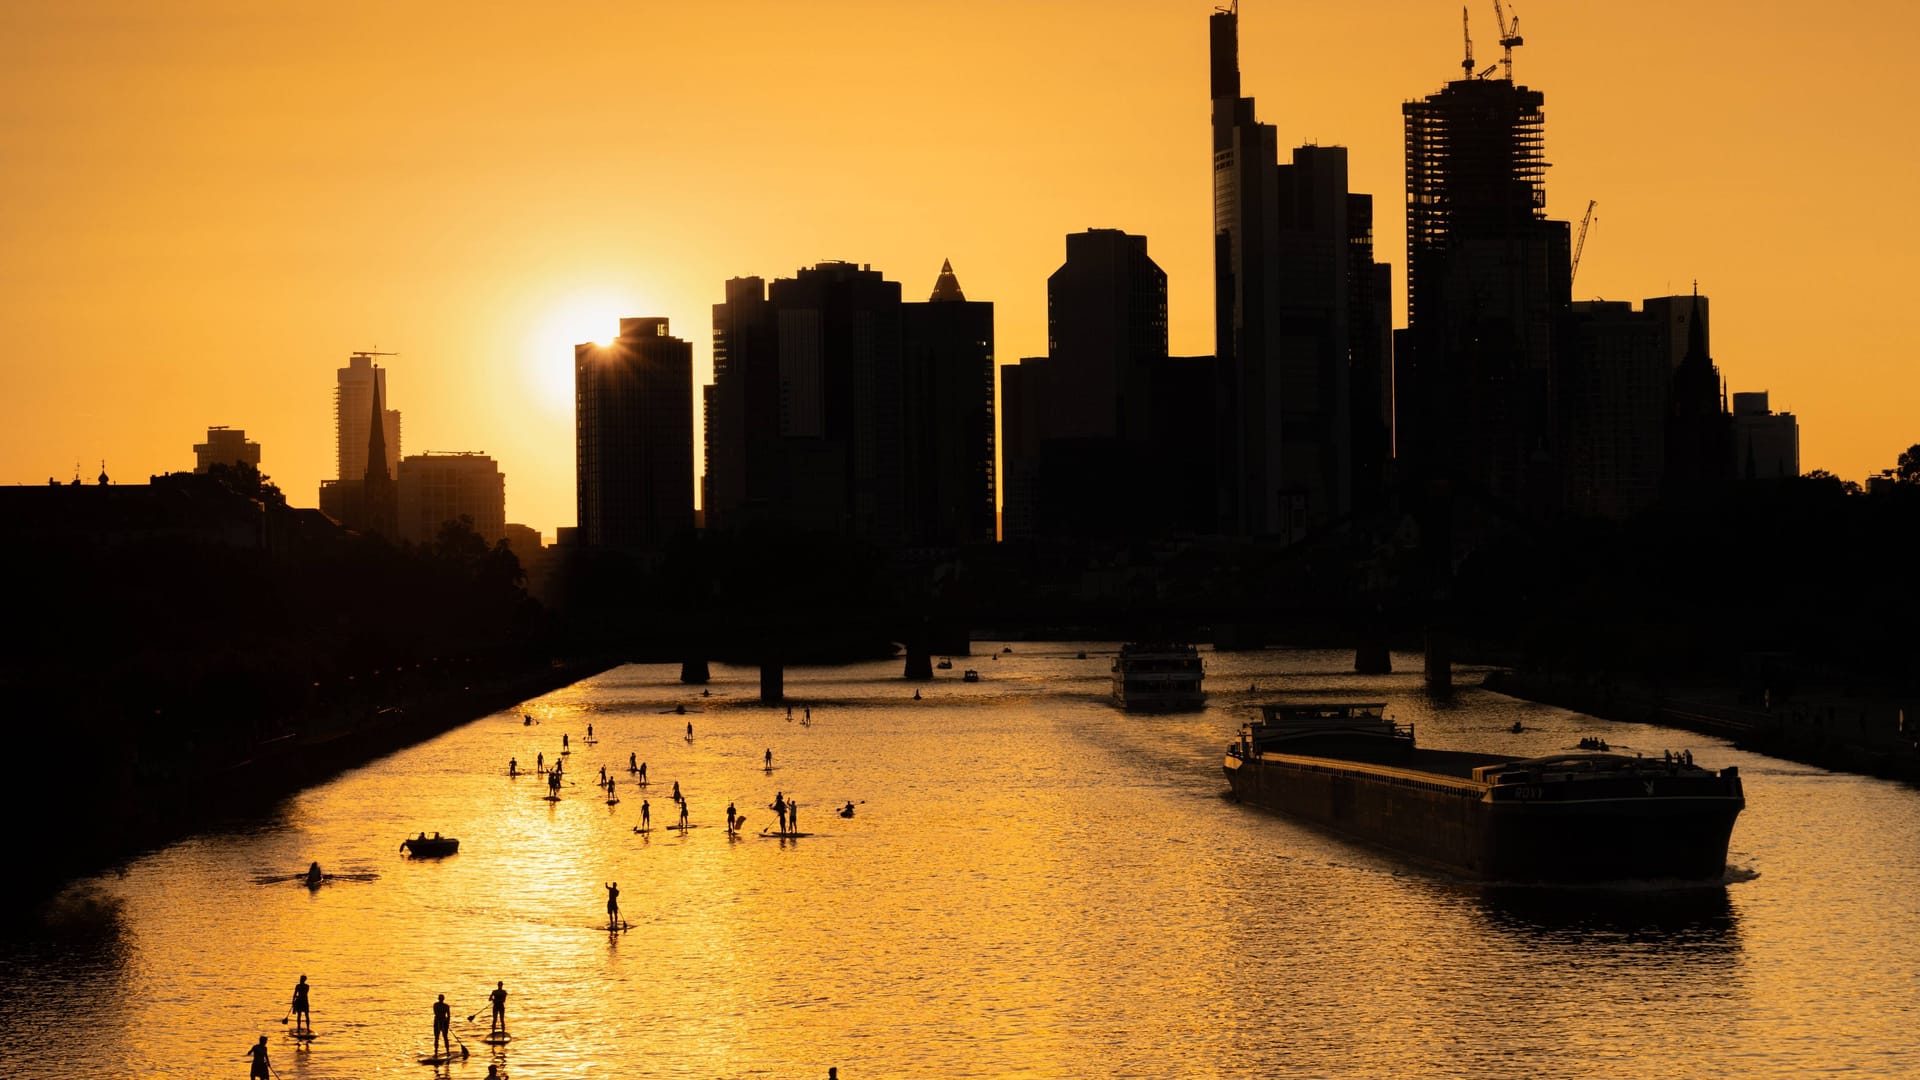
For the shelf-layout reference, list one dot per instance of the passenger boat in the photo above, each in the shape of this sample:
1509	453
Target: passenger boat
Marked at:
1158	675
426	847
1562	818
969	675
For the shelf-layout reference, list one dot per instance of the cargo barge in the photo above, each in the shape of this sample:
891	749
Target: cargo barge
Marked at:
1563	818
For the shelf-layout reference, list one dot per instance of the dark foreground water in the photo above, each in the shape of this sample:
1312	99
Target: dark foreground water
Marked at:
1034	885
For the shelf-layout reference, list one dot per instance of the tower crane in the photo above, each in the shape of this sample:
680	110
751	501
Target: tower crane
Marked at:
1509	36
1466	33
1580	244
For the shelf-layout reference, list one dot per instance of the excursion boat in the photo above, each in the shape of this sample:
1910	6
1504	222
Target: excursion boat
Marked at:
1158	676
430	847
1563	818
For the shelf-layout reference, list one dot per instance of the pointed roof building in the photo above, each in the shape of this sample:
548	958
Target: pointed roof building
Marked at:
382	497
947	287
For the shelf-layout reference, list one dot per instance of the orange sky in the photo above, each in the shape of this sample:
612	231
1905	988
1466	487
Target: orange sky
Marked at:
206	206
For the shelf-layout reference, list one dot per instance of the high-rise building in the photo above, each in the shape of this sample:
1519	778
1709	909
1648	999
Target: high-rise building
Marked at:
1614	380
225	446
946	385
633	430
435	488
1766	444
1246	297
1106	437
352	410
805	413
1303	324
1487	281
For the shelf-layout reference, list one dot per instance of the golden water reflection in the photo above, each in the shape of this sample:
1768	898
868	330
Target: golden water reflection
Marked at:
1033	884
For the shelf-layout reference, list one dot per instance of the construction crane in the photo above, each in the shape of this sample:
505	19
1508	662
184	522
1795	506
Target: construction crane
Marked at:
1466	33
1509	36
1580	244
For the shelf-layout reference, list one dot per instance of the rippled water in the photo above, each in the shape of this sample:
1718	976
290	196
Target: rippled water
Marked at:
1034	885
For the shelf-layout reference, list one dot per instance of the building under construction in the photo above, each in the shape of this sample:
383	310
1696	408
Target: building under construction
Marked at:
1487	280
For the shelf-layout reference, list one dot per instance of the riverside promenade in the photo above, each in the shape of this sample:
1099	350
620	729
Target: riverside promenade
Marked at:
1828	727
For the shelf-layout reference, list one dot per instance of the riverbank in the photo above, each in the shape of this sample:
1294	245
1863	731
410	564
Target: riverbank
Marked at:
1830	727
150	807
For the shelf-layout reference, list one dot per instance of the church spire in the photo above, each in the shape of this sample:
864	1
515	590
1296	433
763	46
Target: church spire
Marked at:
948	286
377	488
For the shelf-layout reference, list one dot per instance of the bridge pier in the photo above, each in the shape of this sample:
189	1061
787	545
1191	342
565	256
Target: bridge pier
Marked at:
1371	657
919	664
773	682
1439	663
694	671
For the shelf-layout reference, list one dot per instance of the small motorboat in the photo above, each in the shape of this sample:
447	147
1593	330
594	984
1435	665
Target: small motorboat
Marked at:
945	664
430	847
969	675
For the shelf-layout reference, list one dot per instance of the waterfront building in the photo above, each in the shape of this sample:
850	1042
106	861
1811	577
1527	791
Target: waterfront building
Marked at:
633	428
435	488
1766	444
1615	377
225	446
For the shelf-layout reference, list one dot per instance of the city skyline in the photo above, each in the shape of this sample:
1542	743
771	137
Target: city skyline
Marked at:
463	195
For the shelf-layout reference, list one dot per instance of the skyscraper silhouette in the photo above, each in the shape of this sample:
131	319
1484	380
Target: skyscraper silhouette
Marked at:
1246	297
946	384
1487	281
633	429
805	414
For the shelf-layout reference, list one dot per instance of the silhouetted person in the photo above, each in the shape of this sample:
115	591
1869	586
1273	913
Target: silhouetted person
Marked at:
442	1025
314	878
643	772
683	708
632	763
793	815
513	766
526	719
589	731
302	1013
780	808
847	810
769	759
683	815
563	740
603	774
676	791
646	815
613	903
916	695
261	1068
499	999
540	761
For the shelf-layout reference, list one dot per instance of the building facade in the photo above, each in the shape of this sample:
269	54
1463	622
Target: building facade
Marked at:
352	412
225	446
1766	444
436	488
633	438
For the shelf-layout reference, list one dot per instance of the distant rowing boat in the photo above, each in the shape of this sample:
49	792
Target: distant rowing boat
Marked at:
421	847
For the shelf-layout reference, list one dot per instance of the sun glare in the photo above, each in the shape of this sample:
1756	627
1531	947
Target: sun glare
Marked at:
573	320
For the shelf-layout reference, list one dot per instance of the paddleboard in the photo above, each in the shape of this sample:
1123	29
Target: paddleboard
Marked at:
497	1040
638	829
682	828
437	1060
591	742
564	753
551	798
303	1036
621	929
613	802
785	835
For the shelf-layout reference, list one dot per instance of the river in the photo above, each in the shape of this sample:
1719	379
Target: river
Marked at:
1033	884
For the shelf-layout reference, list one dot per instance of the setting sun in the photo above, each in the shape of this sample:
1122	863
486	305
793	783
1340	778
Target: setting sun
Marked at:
568	321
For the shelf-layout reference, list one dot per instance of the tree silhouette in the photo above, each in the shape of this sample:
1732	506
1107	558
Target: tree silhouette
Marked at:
1908	467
